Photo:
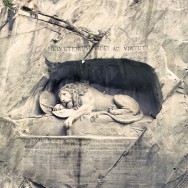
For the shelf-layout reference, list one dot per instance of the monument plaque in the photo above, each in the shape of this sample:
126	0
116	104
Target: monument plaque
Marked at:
73	161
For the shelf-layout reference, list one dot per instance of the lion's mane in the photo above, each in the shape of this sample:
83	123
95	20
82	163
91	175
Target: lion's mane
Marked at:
76	90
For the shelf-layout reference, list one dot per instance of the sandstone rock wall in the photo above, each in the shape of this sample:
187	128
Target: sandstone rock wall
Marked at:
145	31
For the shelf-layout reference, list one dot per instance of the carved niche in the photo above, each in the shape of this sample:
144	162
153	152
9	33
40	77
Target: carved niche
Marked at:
108	97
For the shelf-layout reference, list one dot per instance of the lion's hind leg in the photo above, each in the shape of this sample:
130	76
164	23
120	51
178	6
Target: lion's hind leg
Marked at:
118	111
125	105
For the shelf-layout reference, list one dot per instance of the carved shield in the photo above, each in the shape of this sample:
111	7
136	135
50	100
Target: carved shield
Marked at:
64	113
47	101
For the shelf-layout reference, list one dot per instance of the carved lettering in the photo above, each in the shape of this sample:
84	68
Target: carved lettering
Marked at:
66	156
135	48
116	48
101	48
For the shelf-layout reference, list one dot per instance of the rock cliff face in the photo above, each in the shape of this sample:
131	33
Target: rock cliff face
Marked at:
134	47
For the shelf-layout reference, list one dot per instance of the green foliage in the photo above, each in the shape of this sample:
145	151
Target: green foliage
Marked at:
8	4
90	35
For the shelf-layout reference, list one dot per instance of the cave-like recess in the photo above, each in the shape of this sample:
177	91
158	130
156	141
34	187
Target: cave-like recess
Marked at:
112	76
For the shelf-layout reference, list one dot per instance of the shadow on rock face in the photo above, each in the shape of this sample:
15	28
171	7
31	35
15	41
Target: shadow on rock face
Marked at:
113	76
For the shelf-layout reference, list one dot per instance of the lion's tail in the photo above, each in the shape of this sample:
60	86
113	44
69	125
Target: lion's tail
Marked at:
125	121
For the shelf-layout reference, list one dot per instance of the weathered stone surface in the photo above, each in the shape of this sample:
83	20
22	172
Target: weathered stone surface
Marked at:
73	161
143	54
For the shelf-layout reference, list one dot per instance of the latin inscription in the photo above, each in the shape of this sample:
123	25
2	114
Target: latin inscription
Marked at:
101	48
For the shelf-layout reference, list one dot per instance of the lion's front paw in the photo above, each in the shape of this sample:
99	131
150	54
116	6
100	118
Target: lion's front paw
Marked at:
58	107
111	112
93	118
115	112
111	108
68	122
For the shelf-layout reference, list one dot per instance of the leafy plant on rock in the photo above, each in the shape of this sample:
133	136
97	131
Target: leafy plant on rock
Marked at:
8	4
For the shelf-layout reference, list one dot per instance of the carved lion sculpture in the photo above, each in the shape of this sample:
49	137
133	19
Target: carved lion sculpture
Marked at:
86	99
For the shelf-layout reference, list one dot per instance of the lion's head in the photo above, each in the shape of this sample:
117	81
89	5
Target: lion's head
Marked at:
70	94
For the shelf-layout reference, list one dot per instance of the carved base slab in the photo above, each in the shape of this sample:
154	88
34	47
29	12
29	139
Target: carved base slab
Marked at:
103	126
